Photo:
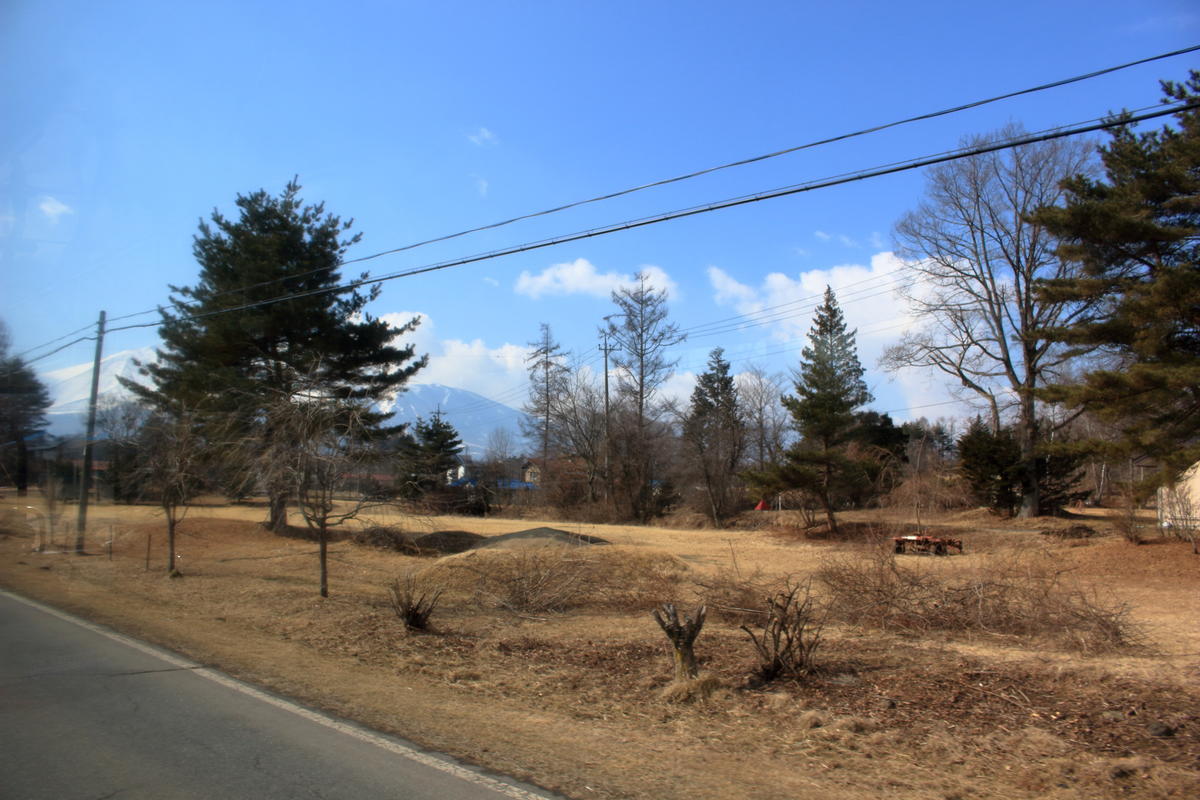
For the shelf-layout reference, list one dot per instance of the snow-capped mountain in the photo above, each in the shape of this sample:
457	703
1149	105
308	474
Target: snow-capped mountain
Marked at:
71	387
474	416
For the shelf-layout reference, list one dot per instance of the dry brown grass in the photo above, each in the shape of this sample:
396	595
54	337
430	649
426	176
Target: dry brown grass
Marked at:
574	699
1017	593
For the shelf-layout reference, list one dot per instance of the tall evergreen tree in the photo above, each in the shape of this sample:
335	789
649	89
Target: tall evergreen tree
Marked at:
230	345
23	403
715	433
1136	235
829	390
547	379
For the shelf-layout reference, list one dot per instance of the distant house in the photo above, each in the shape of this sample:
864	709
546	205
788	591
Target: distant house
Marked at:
531	472
1179	504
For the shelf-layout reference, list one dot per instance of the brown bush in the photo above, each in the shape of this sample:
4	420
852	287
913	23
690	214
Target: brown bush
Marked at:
1018	595
736	598
544	578
413	600
788	636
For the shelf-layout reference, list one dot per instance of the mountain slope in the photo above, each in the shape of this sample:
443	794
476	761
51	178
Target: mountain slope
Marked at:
472	415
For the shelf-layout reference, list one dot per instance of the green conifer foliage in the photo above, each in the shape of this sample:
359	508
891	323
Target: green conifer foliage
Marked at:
230	346
829	390
1136	234
714	432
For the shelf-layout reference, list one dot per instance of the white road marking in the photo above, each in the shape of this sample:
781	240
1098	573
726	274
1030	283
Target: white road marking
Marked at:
506	789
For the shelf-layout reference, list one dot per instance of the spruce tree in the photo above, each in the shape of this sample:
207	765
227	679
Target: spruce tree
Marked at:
714	431
829	390
232	347
1136	235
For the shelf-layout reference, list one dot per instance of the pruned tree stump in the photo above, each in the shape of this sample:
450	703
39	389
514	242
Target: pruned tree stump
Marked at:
682	636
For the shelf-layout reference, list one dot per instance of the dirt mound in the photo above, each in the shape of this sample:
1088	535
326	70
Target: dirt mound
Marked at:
540	536
448	542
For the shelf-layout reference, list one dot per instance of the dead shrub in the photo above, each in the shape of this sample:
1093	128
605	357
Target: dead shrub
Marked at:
533	579
1015	595
935	492
695	690
413	600
538	579
789	634
1126	523
736	598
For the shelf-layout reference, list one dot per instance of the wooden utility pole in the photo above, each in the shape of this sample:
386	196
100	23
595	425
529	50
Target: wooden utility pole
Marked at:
607	449
85	485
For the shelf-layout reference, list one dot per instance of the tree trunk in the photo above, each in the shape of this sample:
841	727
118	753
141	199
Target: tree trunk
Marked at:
22	476
323	538
1030	490
172	570
826	499
277	520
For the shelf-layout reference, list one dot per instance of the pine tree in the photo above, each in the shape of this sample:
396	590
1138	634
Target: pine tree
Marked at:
715	432
231	347
829	390
23	403
990	463
428	455
1136	235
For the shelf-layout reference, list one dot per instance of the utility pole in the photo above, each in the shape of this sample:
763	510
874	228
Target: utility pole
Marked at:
607	440
85	486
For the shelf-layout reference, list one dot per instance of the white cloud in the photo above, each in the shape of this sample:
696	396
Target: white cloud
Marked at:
876	241
491	281
846	240
678	388
659	279
822	235
54	208
481	186
581	277
483	138
731	293
495	372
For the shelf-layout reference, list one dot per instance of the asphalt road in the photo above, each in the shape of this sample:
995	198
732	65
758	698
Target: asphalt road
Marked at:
88	714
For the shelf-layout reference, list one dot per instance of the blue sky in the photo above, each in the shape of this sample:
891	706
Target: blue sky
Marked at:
126	122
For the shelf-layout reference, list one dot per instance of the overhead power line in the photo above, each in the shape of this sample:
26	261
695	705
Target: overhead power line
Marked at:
890	169
706	171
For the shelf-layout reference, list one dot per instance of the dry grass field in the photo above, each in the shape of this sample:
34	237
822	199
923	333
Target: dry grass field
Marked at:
1031	666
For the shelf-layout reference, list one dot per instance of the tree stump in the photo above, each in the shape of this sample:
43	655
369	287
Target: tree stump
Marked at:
682	636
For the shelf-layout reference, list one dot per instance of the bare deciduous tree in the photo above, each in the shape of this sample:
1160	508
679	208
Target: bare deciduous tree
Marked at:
974	257
122	423
172	466
766	418
642	336
327	439
577	426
